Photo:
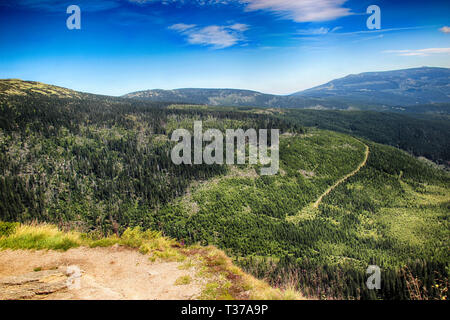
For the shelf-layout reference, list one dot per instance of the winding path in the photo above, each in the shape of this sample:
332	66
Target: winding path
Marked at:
343	179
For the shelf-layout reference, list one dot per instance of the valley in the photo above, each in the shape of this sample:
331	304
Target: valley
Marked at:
207	151
101	165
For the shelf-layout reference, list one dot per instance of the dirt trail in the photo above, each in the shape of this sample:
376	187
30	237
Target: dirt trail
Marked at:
107	273
345	178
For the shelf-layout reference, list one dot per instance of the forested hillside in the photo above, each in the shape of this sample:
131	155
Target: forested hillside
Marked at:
393	213
233	97
421	135
100	162
101	165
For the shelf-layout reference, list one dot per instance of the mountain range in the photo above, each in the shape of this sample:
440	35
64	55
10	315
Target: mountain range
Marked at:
399	90
401	87
233	97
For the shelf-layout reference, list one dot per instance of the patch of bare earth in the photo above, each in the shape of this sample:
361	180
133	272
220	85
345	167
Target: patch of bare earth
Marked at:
307	174
106	273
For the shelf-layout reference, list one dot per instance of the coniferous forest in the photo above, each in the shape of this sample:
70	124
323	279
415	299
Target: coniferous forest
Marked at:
100	164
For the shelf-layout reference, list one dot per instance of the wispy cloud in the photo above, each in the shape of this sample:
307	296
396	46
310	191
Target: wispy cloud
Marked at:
419	52
198	2
218	37
379	36
58	5
297	10
445	29
382	30
239	27
302	10
181	27
317	31
312	32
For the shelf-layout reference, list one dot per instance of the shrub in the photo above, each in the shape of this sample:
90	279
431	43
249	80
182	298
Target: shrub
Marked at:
7	228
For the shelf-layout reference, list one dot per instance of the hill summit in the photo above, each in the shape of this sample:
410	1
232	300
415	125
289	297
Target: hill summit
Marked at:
400	87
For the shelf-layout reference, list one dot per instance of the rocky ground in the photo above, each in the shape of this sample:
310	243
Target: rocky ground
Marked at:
92	273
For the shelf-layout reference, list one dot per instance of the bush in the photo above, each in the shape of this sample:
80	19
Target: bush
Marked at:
7	228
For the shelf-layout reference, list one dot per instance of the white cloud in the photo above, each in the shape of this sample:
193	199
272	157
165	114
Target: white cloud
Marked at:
297	10
197	2
445	29
419	52
302	10
317	32
313	32
239	27
218	37
181	27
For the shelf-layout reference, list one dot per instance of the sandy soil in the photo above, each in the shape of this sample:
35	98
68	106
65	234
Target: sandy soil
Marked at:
107	273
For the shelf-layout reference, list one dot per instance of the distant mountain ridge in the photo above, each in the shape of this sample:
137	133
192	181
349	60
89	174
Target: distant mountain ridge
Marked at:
382	91
233	97
400	87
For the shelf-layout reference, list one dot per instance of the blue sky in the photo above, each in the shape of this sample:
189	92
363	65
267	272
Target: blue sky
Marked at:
273	46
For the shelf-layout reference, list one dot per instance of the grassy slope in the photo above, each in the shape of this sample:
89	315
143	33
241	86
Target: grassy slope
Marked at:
11	87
